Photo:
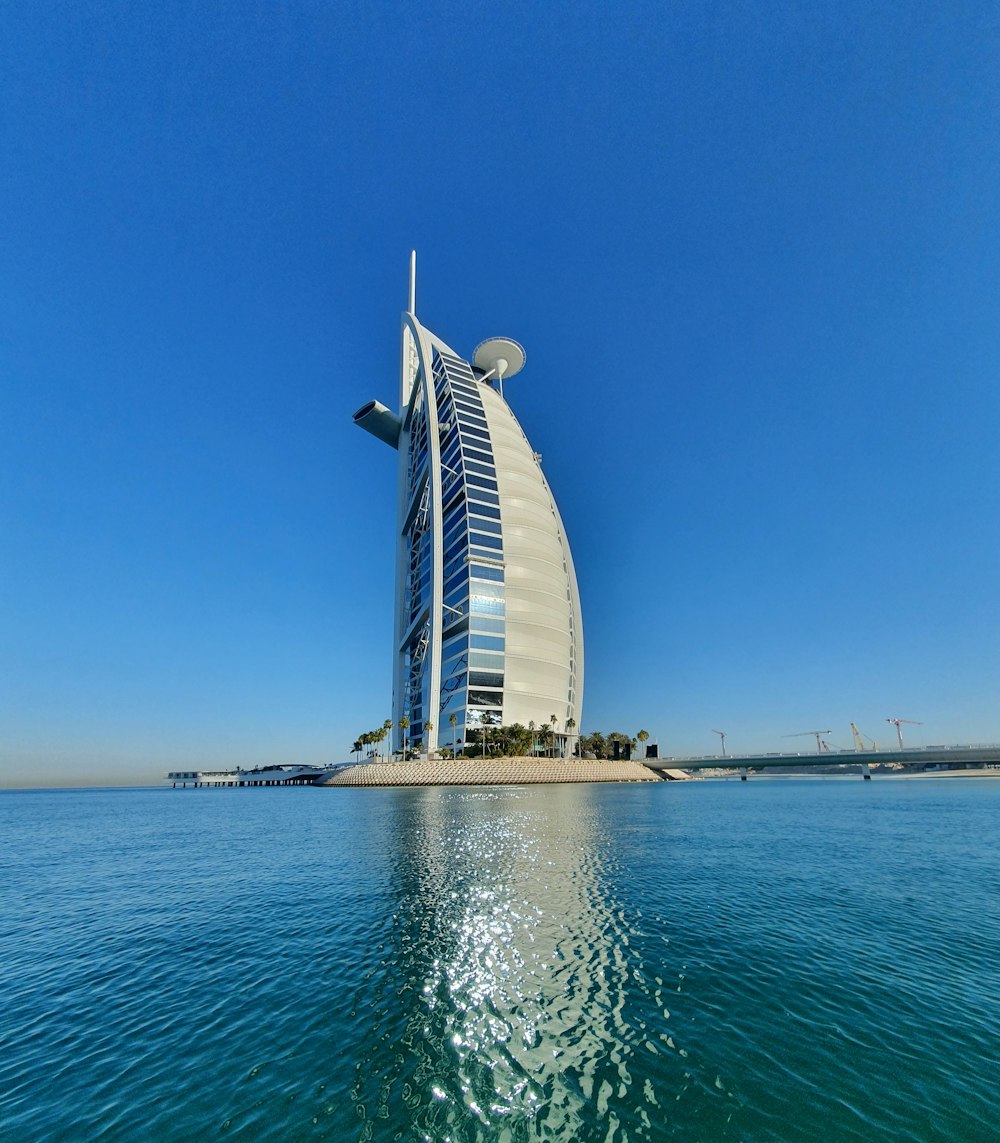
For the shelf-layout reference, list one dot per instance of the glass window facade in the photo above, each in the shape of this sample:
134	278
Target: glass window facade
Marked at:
471	520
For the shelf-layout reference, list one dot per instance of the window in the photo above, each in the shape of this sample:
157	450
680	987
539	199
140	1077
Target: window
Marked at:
478	455
453	704
454	645
486	642
457	580
482	469
469	414
484	497
486	606
482	571
455	496
485	698
454	511
449	456
454	626
452	566
484	510
480	481
456	546
487	591
452	530
485	679
456	598
454	671
482	624
485	541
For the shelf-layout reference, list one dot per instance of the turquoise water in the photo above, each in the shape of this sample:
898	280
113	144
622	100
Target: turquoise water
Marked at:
774	960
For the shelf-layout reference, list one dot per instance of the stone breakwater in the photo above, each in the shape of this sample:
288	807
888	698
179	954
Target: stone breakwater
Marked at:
505	772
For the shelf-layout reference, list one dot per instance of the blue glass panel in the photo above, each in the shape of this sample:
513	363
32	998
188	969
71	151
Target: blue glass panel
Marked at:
455	645
457	600
453	672
485	679
481	623
487	591
484	510
479	494
470	414
477	454
457	580
486	642
482	571
485	541
480	481
455	526
455	546
486	606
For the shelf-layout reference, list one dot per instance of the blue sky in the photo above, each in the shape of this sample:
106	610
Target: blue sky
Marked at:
751	250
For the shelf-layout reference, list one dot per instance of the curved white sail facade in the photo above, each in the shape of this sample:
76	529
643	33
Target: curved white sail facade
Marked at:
488	625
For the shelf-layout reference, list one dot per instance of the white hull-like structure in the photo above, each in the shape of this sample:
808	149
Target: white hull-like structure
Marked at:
488	628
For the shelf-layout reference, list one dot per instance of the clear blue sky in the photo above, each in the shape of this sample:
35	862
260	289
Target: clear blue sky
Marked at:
752	251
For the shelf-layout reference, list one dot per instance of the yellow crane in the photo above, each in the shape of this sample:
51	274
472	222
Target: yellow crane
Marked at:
859	739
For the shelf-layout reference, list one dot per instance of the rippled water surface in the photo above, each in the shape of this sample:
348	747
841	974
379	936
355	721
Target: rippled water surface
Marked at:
774	960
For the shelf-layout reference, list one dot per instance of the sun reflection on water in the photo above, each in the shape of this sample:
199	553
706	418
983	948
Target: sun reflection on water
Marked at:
524	1024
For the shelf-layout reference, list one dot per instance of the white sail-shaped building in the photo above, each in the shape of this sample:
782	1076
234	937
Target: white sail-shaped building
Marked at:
488	625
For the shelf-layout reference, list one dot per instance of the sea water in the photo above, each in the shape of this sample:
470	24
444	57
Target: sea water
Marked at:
770	960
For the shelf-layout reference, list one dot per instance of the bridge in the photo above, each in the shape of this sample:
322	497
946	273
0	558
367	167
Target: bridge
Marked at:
924	756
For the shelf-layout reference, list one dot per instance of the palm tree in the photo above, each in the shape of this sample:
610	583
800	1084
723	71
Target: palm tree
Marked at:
428	727
404	726
387	728
643	737
570	726
453	719
356	748
553	720
532	728
489	719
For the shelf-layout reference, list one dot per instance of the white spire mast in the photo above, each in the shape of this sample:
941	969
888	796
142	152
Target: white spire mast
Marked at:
413	282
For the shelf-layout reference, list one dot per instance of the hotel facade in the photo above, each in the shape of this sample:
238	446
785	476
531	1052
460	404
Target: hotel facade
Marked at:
487	615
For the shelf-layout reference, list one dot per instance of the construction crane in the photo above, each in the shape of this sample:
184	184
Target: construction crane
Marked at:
896	723
859	739
820	744
722	735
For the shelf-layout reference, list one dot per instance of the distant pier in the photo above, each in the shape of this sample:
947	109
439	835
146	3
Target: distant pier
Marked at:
259	776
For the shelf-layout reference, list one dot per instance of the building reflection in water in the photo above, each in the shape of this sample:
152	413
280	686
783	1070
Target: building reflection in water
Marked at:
519	1004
